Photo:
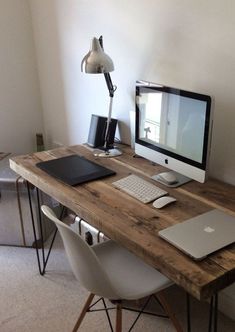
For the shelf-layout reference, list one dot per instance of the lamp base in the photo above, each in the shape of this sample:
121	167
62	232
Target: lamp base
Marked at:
107	153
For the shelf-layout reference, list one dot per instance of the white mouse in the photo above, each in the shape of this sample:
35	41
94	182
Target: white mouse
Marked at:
163	201
167	177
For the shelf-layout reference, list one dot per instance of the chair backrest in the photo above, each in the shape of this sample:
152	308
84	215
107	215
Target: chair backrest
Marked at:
84	262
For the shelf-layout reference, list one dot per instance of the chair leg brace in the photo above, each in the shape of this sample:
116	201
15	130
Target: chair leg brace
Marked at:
159	296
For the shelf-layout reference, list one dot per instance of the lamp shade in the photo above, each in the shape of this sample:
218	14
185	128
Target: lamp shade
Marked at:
96	61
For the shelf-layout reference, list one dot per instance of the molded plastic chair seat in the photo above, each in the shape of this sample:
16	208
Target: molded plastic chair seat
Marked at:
110	271
131	277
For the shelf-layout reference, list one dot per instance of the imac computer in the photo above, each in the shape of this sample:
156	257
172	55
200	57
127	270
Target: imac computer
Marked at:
173	129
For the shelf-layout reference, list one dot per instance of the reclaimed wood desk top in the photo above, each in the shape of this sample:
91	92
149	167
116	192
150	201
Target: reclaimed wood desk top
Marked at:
135	225
3	155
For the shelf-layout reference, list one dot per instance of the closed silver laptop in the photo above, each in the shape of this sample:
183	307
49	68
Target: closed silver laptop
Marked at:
202	235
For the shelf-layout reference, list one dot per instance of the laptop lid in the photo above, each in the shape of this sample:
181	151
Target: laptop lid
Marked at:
74	169
202	235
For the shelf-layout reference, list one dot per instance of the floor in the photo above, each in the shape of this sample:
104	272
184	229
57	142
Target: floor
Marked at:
30	302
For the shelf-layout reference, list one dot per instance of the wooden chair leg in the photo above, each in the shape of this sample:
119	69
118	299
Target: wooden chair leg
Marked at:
169	311
84	311
119	318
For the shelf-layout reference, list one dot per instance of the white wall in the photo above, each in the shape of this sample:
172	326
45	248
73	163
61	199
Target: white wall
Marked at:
20	105
182	43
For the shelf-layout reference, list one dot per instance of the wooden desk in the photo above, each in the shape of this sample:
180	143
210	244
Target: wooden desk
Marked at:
136	225
3	155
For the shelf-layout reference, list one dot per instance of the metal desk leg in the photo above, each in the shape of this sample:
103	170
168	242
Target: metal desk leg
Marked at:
34	229
41	265
188	313
213	318
213	314
40	229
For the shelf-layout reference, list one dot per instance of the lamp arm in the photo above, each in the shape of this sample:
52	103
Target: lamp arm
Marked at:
106	136
107	76
112	88
109	83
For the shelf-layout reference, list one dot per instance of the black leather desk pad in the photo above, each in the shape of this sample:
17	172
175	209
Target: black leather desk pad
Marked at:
74	169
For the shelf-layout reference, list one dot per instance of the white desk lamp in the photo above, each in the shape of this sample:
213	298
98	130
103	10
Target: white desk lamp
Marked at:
98	62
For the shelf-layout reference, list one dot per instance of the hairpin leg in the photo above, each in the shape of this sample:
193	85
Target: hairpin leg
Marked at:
34	229
188	313
213	316
42	263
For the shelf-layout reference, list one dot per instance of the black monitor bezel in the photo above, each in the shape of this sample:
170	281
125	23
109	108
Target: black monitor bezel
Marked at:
147	88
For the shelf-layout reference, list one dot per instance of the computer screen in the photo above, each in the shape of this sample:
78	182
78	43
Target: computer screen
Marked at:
173	128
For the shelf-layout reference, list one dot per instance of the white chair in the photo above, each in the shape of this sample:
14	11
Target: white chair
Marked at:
112	272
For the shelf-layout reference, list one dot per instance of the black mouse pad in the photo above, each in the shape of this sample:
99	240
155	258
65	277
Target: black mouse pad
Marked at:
74	169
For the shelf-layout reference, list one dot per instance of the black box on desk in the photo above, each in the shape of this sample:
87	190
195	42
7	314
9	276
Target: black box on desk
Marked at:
97	131
15	220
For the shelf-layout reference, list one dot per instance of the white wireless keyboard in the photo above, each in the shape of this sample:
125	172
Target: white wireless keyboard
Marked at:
139	188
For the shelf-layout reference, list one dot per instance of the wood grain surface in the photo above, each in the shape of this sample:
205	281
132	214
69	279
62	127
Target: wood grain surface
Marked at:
3	155
135	225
